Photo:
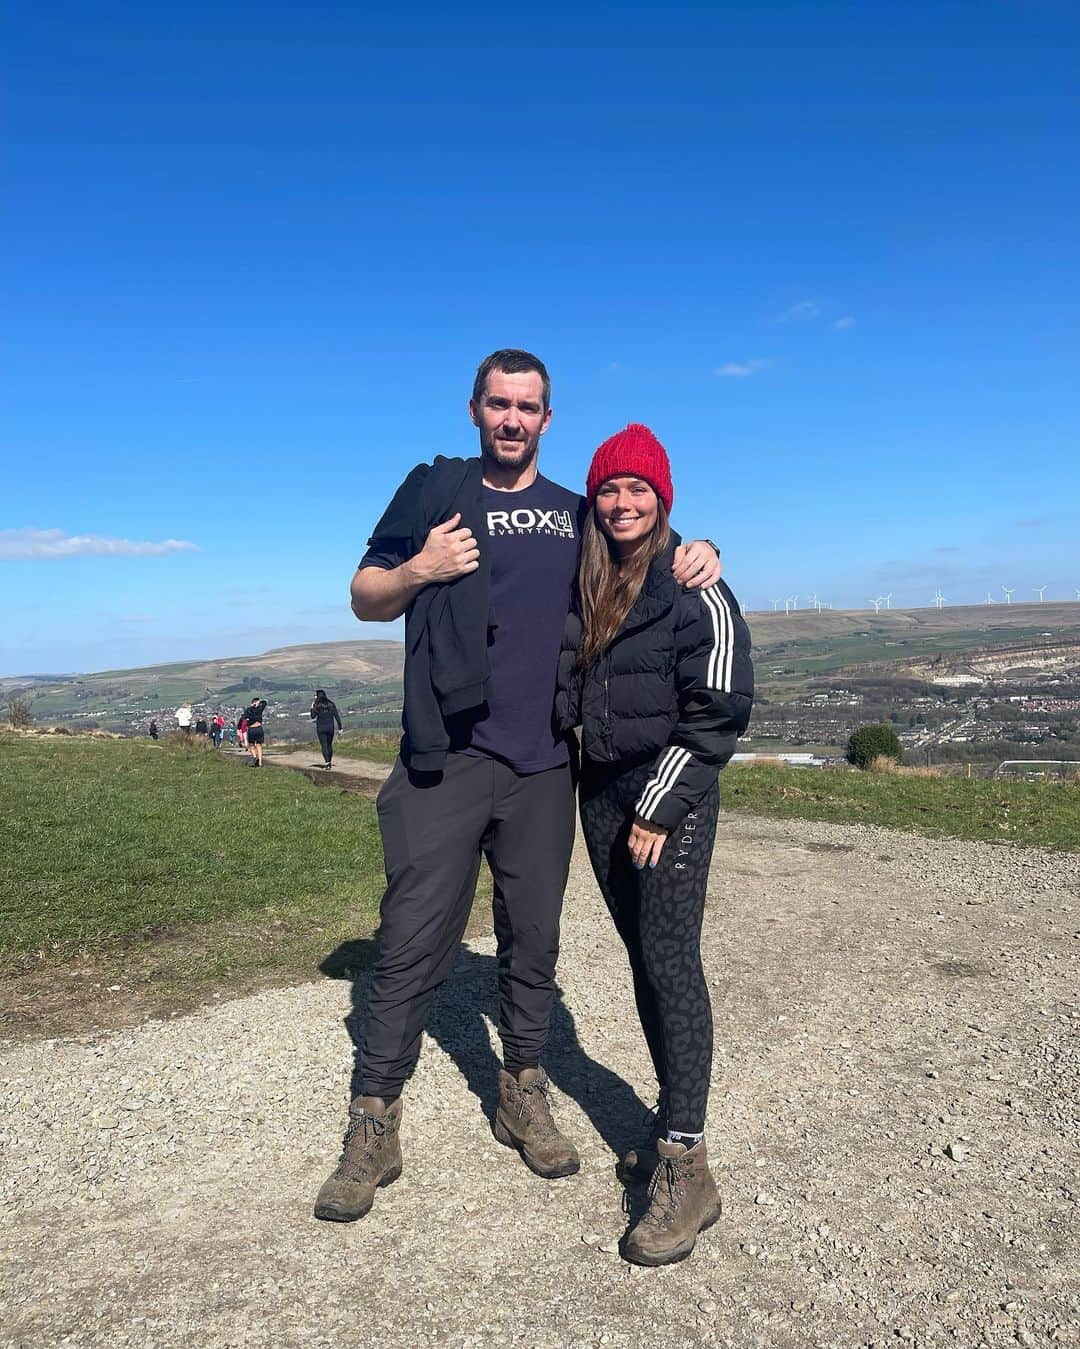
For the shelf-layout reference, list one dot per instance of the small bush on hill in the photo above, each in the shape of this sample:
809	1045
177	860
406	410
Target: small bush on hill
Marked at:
868	743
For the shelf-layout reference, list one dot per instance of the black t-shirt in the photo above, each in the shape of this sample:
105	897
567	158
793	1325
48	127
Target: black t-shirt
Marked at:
533	538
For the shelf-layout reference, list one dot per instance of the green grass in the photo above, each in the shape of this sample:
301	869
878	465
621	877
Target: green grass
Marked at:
111	847
1033	814
382	747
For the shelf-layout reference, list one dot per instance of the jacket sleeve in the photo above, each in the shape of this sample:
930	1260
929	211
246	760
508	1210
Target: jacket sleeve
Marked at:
714	680
391	540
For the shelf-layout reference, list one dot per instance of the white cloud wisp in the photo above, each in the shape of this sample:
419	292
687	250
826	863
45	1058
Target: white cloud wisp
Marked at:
741	369
50	543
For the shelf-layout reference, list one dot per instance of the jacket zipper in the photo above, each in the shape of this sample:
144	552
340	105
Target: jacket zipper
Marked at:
607	719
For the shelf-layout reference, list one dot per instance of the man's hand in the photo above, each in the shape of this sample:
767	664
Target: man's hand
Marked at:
696	565
646	842
448	553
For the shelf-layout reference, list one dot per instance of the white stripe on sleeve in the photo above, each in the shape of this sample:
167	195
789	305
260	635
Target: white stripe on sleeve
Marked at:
672	763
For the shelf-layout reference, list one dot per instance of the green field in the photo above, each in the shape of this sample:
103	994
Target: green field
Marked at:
176	860
1033	814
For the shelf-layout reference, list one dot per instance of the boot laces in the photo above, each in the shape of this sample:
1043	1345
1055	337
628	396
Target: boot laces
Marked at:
372	1127
665	1191
533	1107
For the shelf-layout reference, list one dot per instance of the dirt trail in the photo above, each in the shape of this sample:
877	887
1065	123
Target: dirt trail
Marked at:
307	760
893	1126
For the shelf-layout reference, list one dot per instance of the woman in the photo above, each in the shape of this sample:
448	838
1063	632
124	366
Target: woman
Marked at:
660	680
325	715
256	736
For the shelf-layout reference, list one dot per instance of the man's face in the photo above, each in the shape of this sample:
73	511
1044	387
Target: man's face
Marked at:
511	418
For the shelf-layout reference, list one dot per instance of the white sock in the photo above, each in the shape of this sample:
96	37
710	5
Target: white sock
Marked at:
687	1140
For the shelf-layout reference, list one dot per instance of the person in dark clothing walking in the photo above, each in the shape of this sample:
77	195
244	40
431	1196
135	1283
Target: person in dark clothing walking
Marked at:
660	680
152	731
480	555
325	715
256	738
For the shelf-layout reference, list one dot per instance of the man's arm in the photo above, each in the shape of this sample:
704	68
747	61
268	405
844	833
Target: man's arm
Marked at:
696	565
380	594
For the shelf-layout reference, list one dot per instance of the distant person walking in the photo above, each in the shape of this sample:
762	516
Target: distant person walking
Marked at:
242	730
183	718
217	729
152	730
256	737
230	734
325	715
201	727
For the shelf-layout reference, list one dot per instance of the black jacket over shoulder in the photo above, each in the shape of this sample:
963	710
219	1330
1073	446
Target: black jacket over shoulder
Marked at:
676	686
446	626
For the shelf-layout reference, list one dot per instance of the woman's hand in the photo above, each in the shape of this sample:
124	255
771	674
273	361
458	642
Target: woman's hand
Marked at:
646	842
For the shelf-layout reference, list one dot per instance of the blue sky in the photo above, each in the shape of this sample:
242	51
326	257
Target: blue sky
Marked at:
254	254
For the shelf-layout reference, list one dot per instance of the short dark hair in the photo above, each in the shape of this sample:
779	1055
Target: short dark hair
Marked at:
511	361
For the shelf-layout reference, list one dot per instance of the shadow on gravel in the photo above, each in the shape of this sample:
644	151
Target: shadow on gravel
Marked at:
465	1006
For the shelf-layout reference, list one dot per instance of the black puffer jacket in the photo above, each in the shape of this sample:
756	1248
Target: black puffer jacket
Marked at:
676	685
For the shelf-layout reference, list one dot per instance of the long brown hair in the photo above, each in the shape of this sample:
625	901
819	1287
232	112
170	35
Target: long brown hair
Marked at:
608	593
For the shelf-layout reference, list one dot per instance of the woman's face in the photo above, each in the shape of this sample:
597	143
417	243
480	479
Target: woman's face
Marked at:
626	510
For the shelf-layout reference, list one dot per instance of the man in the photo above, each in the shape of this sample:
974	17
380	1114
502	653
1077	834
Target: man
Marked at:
183	718
480	554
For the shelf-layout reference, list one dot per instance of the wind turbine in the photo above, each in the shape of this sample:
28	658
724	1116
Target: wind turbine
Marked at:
814	602
1078	594
990	599
888	601
775	605
1040	591
787	605
795	601
877	603
939	598
1008	593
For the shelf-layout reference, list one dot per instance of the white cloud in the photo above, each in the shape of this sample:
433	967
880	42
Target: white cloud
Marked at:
845	321
798	313
740	369
37	543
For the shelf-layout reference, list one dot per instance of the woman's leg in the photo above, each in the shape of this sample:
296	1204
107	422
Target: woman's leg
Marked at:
671	910
325	741
606	807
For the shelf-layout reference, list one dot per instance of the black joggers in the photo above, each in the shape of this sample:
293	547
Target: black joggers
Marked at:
434	829
658	915
326	743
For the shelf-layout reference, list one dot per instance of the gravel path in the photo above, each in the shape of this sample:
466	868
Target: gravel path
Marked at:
893	1125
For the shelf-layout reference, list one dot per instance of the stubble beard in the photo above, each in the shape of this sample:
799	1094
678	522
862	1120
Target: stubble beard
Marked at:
523	458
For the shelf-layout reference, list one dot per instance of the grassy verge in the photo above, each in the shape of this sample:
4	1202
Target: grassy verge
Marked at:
367	745
1033	814
171	865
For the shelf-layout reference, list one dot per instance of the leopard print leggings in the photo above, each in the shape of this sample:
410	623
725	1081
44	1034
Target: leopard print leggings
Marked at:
658	915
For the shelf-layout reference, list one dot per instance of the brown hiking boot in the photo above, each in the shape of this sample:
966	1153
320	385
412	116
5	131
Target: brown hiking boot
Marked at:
370	1157
683	1201
524	1121
640	1162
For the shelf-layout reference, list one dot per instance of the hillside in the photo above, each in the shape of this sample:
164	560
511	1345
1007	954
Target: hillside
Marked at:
818	674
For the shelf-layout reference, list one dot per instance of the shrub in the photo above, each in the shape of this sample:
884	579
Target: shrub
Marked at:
20	714
868	743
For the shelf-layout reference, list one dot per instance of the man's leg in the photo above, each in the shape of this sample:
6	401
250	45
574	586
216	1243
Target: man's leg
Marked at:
431	832
528	849
431	836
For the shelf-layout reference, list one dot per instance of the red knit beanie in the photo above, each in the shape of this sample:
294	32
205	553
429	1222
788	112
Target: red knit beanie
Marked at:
633	453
